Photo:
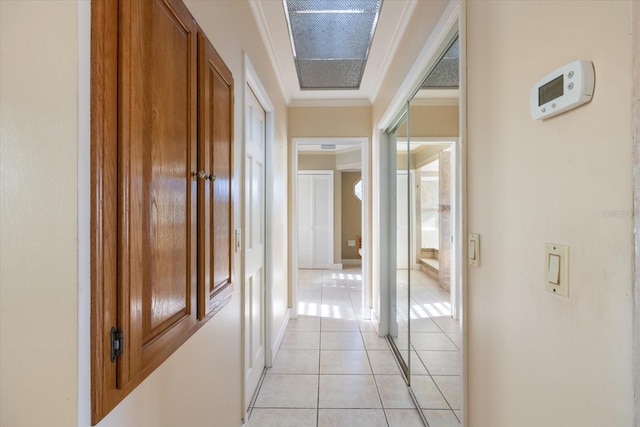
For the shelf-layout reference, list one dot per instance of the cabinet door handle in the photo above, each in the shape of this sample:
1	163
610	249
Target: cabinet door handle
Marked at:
203	175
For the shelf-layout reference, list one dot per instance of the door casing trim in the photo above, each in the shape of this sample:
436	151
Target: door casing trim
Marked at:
363	143
252	81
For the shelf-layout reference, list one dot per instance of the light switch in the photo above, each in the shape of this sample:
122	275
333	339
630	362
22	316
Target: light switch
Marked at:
553	274
474	249
557	269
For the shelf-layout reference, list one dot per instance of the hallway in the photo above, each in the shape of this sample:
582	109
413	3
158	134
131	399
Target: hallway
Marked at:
333	370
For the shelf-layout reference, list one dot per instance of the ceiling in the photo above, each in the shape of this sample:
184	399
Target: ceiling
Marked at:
392	22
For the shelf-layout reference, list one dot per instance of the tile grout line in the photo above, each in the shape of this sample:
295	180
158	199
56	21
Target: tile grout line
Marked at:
375	381
319	352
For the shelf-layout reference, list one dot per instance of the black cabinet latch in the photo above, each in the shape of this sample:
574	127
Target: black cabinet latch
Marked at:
117	345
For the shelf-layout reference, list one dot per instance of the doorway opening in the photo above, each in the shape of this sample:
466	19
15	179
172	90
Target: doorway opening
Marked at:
329	195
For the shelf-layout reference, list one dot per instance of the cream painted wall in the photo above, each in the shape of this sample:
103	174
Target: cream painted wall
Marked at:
38	221
536	359
308	122
39	366
433	121
316	161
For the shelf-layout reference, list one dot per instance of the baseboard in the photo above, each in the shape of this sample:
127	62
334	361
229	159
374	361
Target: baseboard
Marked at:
336	267
281	330
351	262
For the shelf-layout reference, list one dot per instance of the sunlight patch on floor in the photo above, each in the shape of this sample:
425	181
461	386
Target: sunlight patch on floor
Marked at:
348	276
321	310
424	311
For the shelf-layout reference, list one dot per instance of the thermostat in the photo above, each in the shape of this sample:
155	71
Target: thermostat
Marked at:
562	90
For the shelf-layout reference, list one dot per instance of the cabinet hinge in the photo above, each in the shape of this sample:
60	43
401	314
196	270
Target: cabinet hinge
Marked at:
117	343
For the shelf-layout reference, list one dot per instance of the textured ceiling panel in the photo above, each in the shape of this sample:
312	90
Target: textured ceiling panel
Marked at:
324	5
338	74
446	73
331	40
332	35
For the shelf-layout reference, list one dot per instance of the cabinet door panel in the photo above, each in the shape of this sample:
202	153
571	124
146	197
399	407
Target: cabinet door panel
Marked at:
215	144
157	123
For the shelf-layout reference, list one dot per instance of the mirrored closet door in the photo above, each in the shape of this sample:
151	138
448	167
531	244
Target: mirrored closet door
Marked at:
400	254
425	327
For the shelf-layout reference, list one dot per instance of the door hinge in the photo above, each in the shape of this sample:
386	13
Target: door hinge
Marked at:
117	343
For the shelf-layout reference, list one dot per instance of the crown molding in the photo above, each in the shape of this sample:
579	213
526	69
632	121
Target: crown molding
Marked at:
362	102
263	28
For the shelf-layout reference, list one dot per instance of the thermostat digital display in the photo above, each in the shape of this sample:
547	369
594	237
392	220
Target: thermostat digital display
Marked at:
563	89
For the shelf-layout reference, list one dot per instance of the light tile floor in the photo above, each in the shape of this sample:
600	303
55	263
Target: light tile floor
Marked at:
333	370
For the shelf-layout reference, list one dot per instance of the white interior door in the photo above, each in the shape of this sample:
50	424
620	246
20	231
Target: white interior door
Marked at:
323	221
305	221
315	219
254	255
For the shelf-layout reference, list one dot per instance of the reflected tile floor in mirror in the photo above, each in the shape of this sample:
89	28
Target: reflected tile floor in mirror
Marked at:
436	357
333	370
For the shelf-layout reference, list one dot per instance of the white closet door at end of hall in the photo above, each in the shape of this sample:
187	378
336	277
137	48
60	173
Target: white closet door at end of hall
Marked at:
315	220
322	220
305	221
254	255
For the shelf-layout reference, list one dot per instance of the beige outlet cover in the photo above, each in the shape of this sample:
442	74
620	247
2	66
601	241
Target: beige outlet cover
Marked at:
556	271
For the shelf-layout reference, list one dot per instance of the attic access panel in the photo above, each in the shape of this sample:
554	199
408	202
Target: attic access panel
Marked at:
330	40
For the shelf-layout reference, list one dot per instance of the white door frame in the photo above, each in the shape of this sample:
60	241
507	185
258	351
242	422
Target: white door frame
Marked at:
635	8
252	81
363	143
452	21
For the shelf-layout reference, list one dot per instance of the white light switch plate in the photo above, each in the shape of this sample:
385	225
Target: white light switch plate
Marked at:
557	269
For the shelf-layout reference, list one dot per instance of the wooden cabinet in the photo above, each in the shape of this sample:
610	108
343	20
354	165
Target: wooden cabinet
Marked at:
214	191
162	138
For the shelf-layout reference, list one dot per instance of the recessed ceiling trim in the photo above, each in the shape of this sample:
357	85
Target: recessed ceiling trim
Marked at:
330	102
263	28
330	41
273	29
389	55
